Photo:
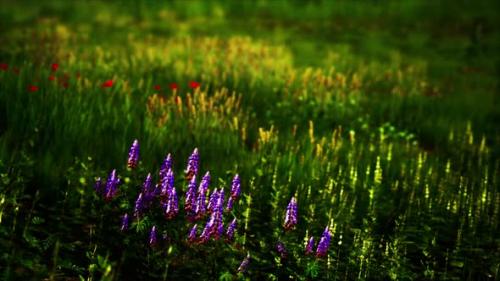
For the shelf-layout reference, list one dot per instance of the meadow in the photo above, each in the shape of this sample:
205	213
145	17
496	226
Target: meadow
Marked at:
370	126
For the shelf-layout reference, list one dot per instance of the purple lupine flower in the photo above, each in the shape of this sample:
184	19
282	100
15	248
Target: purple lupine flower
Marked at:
324	243
193	164
139	205
125	220
205	182
230	230
244	264
236	187
192	234
189	204
172	207
207	231
165	166
147	186
212	202
200	208
153	237
230	202
291	214
133	155
167	184
280	248
310	246
217	212
111	185
98	186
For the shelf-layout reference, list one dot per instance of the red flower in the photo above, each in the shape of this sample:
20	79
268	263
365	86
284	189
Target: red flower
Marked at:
32	88
55	66
107	84
52	78
194	85
16	70
157	87
4	66
173	86
65	84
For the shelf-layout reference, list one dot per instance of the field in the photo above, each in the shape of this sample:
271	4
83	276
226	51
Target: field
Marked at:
371	126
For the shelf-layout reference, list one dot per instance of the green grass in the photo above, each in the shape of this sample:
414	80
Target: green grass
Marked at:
381	118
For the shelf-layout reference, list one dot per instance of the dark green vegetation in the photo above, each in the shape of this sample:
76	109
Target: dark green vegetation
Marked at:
382	119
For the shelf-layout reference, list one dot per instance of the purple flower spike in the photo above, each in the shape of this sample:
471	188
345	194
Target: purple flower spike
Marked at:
230	230
190	202
133	155
205	182
98	186
212	202
147	186
324	243
291	214
280	247
310	246
207	231
125	220
193	164
230	203
165	166
167	184
153	237
139	206
244	264
192	234
111	186
236	187
172	207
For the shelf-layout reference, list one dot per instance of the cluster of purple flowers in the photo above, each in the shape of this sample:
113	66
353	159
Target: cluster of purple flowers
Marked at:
108	189
291	214
196	205
323	244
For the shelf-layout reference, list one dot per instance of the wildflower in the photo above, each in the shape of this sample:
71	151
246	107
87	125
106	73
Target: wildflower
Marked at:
4	66
323	243
214	197
107	84
133	155
111	185
139	205
172	207
194	84
200	208
230	230
193	164
310	246
65	84
189	204
173	86
207	231
205	182
125	220
32	88
244	264
153	237
235	186
157	87
146	186
291	214
165	166
52	78
54	67
230	203
192	234
280	248
167	184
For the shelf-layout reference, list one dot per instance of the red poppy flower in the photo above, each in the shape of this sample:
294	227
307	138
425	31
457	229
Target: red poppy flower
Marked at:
32	88
107	84
173	86
194	84
4	66
65	84
157	87
55	66
52	78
